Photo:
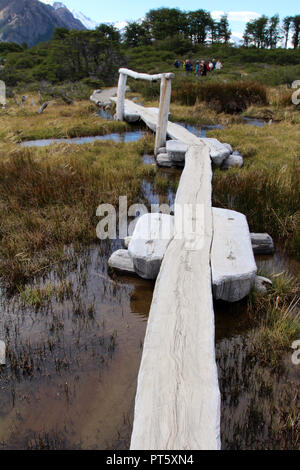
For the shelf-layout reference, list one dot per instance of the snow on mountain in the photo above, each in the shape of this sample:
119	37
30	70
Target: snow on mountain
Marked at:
87	22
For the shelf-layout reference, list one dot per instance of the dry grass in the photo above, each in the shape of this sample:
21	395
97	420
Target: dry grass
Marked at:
57	121
49	197
267	189
277	316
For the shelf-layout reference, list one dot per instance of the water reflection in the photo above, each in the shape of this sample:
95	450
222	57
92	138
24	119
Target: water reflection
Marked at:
121	137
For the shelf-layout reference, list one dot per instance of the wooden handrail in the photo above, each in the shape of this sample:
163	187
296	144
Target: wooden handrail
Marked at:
164	103
146	76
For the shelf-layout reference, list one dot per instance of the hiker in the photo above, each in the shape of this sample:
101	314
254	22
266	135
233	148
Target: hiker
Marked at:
214	62
177	64
188	66
197	69
211	66
219	65
203	69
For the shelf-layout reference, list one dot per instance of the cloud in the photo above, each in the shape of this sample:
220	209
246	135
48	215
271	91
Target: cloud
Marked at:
243	16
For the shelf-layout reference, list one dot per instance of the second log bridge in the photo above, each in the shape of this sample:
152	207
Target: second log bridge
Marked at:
164	102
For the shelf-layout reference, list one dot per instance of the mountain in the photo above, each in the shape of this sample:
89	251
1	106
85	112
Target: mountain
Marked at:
87	22
32	21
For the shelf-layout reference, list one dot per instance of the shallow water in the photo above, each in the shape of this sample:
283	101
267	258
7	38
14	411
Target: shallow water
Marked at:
254	122
71	373
201	130
105	114
70	378
117	137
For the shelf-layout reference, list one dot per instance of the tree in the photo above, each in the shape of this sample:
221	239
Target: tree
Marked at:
296	31
213	31
137	34
287	23
166	22
273	32
256	32
198	26
223	30
108	32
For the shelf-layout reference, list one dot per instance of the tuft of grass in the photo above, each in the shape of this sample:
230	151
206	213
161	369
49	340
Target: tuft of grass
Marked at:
277	316
38	296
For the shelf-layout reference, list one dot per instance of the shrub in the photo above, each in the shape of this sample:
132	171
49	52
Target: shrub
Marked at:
230	98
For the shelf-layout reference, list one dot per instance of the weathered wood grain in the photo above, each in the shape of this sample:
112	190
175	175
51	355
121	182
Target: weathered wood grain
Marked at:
178	399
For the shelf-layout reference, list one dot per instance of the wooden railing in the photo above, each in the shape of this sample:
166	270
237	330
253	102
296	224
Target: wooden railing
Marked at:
164	102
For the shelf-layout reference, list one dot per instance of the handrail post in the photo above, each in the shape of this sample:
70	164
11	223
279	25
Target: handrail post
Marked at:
163	115
121	97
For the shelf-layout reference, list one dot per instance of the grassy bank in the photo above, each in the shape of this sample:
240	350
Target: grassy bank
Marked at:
49	199
267	189
57	121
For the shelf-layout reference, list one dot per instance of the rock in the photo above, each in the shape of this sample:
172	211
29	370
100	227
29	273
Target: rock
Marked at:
233	161
2	353
126	242
176	150
164	160
121	261
262	244
162	150
151	237
232	260
228	146
131	117
218	151
262	284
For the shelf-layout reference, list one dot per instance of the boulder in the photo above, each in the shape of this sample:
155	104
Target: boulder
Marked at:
131	117
126	242
2	353
262	244
228	146
121	261
164	160
233	161
176	150
262	284
151	237
218	151
232	260
162	150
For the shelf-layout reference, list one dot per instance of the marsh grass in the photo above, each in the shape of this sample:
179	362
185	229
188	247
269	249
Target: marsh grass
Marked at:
267	189
57	121
49	197
277	318
232	97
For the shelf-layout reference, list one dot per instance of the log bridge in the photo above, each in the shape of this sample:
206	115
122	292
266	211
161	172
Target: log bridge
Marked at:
178	399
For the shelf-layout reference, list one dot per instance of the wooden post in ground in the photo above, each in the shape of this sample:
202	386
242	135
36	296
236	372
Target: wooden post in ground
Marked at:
163	115
121	97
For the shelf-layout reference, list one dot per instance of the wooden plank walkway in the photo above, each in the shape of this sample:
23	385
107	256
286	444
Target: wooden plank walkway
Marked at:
178	400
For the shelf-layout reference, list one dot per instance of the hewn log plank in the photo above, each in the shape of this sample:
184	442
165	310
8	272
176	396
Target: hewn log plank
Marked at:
178	398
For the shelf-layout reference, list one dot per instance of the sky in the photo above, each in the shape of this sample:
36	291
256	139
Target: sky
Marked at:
239	11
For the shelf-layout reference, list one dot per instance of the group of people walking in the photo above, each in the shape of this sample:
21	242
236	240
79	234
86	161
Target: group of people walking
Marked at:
202	68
